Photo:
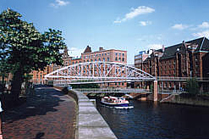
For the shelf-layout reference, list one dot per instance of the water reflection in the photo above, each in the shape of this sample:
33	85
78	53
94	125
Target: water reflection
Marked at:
158	121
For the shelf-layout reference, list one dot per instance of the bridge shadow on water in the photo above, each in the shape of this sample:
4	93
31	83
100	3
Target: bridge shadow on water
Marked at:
44	100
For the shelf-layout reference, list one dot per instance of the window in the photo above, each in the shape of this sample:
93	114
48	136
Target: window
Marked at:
103	59
108	59
116	59
116	54
122	54
119	54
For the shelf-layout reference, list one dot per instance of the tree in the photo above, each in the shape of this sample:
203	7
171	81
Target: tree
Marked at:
192	86
4	69
26	48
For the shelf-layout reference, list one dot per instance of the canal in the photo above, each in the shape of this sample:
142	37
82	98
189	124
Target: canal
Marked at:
148	120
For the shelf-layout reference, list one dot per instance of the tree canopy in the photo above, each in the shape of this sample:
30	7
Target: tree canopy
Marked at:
24	48
192	86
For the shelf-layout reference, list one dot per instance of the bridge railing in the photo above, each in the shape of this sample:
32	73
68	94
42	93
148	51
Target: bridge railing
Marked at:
112	90
168	78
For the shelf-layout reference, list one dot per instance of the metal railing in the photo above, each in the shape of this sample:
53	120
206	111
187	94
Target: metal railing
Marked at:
181	79
112	90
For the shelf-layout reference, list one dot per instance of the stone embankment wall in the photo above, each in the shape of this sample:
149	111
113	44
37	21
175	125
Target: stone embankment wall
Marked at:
189	100
90	124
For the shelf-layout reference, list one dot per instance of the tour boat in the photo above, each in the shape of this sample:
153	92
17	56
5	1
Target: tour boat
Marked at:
115	101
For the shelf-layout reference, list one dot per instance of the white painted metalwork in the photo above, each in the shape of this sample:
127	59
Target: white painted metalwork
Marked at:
98	72
112	90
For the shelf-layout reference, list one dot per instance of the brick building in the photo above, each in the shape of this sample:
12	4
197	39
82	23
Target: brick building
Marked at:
110	55
88	55
187	59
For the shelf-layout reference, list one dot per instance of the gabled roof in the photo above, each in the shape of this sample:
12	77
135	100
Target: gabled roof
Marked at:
87	50
201	43
205	45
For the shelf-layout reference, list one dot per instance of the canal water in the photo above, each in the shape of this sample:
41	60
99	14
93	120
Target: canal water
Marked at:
149	120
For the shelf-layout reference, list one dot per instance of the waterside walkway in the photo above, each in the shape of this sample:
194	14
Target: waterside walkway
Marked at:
47	114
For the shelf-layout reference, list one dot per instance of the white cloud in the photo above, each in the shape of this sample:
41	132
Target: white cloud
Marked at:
59	3
180	26
75	52
154	46
145	23
204	25
134	13
202	34
117	20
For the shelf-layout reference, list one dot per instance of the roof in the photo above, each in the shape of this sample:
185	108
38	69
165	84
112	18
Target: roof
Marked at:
170	51
205	45
201	43
87	50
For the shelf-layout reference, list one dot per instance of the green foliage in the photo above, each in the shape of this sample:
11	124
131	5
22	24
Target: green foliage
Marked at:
152	88
24	48
192	86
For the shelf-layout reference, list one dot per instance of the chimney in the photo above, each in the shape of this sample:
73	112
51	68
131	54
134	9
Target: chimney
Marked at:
65	52
163	48
101	48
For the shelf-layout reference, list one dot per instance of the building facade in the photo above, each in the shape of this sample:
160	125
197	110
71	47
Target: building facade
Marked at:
187	59
88	55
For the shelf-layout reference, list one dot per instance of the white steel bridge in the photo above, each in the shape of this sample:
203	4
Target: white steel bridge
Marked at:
97	72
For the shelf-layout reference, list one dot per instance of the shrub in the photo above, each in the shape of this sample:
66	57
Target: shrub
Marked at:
192	86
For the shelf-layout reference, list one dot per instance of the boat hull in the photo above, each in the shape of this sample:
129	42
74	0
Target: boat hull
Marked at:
112	104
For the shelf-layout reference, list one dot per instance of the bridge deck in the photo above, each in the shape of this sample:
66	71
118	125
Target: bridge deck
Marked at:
110	90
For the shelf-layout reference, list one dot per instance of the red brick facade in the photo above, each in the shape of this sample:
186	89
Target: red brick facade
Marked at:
111	55
181	60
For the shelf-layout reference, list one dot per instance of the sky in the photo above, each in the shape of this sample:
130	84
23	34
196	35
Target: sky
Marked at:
131	25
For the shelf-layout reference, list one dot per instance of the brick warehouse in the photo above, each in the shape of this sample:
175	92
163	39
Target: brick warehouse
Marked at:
187	59
110	55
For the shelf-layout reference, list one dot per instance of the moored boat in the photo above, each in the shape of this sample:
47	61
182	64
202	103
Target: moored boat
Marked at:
115	101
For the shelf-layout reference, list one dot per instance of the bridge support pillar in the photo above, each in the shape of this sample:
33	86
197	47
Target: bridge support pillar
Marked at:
155	91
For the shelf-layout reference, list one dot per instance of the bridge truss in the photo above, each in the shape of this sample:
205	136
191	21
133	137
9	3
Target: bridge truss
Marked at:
97	72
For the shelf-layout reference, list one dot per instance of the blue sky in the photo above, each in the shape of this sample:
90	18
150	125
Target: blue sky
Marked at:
132	25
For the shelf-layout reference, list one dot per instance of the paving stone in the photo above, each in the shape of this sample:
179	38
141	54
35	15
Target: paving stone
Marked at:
48	114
